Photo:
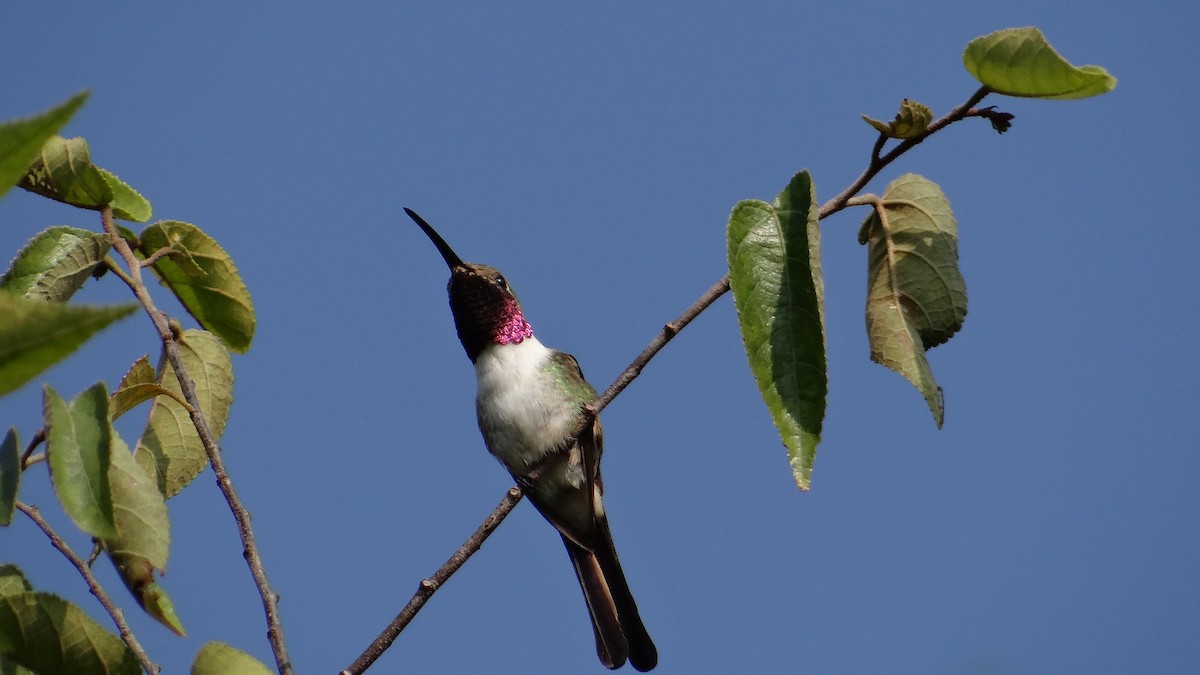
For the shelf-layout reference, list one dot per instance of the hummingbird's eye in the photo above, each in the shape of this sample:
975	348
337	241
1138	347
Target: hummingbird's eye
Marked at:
502	282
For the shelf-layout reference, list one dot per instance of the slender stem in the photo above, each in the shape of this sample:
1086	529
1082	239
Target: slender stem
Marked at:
669	331
429	585
250	551
38	437
93	585
154	257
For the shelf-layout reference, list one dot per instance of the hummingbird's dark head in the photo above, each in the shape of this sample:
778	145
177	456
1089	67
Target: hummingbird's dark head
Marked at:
486	311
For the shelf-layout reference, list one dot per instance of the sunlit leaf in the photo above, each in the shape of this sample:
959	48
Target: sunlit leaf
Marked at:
64	172
13	581
218	658
775	276
138	385
203	277
79	447
22	139
1019	62
142	525
170	449
143	541
55	263
35	335
127	203
47	634
916	296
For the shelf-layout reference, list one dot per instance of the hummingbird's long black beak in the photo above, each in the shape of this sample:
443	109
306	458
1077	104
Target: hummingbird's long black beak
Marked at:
448	253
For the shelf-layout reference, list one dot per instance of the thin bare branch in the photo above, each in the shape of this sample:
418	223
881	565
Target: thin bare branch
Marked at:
93	585
429	585
250	551
669	331
38	438
878	162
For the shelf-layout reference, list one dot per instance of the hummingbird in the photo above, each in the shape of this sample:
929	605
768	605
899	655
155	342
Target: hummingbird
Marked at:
529	402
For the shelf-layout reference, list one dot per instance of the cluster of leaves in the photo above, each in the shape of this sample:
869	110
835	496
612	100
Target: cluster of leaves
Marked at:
112	493
916	297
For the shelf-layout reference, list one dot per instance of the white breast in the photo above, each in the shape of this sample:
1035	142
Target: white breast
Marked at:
526	413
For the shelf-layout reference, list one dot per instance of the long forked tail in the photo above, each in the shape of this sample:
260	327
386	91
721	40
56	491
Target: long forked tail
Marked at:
620	634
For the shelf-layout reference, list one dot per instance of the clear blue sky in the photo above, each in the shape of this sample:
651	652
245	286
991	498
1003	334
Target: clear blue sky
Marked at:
592	151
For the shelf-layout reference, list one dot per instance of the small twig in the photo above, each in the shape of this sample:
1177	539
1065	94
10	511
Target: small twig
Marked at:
39	437
250	551
154	257
429	586
93	585
878	162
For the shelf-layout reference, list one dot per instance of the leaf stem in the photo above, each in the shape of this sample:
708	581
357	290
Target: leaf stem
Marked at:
250	551
93	585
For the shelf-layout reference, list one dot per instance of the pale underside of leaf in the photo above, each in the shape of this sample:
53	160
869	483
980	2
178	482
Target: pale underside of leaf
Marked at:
64	172
916	297
170	450
218	658
139	384
55	263
1020	62
79	447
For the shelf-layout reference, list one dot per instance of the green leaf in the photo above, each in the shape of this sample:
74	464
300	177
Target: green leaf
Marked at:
13	581
139	384
141	514
170	449
55	263
916	296
144	535
47	634
36	335
64	172
203	277
775	275
127	203
10	475
218	658
1019	62
79	446
9	668
20	140
910	122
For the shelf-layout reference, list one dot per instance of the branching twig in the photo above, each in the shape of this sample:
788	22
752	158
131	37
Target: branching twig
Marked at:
429	586
878	162
93	585
38	437
250	551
